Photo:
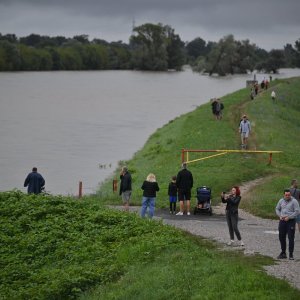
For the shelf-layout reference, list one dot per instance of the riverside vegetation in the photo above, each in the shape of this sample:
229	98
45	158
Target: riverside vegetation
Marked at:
56	247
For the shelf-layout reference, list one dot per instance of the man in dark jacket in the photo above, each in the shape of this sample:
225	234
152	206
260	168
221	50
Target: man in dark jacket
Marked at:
125	187
34	181
184	184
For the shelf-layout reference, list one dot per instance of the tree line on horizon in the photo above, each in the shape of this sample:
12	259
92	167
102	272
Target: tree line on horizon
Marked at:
154	47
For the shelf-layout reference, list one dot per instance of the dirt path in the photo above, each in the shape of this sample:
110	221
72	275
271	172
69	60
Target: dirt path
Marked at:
259	235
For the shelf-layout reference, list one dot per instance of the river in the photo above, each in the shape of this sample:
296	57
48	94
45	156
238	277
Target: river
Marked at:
76	126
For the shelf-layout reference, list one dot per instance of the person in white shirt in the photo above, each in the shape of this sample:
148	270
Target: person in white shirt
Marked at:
273	95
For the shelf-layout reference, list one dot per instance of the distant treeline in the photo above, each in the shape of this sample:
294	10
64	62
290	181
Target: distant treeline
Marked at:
153	47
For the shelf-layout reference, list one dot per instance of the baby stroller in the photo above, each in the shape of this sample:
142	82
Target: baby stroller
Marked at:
203	201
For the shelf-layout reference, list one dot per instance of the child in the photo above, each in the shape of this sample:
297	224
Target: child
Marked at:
172	192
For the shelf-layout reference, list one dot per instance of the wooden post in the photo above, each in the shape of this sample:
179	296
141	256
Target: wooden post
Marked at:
80	189
115	185
270	158
182	155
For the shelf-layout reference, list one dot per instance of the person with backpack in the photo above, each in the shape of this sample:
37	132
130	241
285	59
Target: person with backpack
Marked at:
219	106
244	129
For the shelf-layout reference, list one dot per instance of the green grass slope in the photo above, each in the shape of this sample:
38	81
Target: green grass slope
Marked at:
275	126
61	248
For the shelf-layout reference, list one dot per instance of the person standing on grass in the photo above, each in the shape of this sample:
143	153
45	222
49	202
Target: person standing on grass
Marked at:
184	183
232	204
150	187
287	209
273	95
172	192
125	187
35	182
244	129
295	192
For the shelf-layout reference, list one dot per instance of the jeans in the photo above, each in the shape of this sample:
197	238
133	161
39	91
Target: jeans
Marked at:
287	228
232	222
148	202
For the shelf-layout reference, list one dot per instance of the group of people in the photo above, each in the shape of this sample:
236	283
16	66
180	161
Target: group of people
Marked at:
179	188
244	126
287	208
264	85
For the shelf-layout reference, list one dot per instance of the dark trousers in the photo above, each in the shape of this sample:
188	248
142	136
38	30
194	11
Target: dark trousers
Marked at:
173	206
287	228
232	222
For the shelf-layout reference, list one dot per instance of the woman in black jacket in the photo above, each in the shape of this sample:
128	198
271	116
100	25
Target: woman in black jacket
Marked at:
150	187
233	201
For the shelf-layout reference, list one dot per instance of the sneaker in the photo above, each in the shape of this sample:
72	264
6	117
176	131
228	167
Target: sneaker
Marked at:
230	243
179	213
291	257
241	243
171	212
282	255
188	213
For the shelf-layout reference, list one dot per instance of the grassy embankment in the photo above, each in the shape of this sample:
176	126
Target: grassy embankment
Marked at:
276	126
56	247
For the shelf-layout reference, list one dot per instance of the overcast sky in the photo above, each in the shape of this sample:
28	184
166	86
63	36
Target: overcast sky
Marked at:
267	23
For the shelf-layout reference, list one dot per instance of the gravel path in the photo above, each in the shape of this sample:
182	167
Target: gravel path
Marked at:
259	235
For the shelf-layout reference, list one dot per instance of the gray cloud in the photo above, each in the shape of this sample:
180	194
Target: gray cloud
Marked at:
268	23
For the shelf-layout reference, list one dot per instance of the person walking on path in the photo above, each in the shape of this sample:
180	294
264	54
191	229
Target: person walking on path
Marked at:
184	183
244	129
35	182
232	203
273	95
287	209
217	107
295	192
150	187
172	192
125	187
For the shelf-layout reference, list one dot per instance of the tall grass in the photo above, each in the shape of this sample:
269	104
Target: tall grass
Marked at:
276	126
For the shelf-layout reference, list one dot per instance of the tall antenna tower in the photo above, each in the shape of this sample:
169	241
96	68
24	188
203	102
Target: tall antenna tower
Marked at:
133	24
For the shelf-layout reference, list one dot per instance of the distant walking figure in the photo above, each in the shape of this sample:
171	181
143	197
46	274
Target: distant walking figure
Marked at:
244	129
273	95
35	182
